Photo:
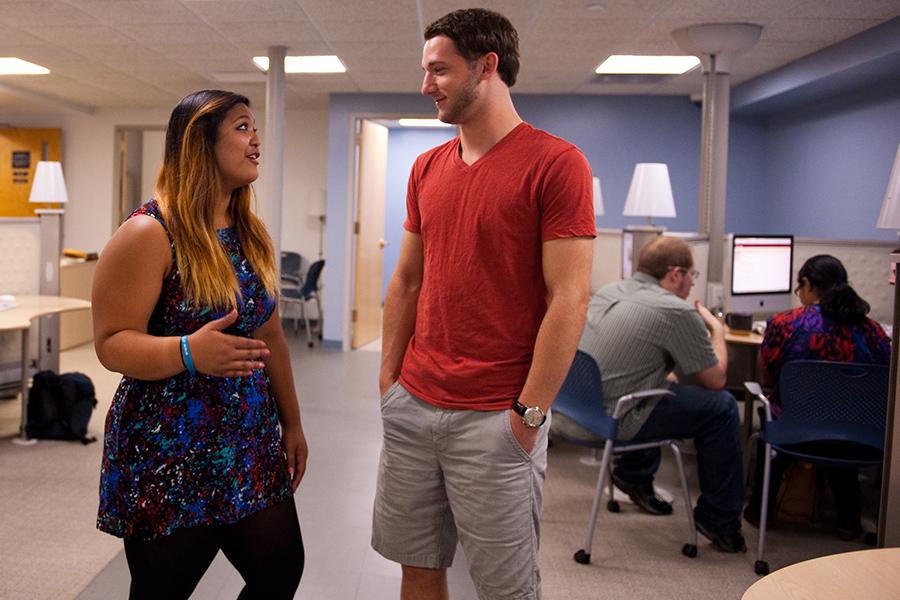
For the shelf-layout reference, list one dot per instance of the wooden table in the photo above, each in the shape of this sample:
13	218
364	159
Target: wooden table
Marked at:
742	364
19	319
861	575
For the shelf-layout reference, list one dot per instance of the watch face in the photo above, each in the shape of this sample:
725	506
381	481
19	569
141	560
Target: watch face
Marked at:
534	416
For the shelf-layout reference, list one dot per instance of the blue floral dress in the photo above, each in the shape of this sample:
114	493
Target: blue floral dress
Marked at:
190	451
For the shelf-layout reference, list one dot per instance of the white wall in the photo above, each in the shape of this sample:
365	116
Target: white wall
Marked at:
88	157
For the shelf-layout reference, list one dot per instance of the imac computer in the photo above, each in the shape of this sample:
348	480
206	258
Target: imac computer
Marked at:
761	273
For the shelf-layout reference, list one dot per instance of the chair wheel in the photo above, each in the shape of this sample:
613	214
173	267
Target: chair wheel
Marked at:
582	557
613	506
310	344
689	550
761	567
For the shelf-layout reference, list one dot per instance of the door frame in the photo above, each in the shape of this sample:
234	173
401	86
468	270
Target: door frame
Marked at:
350	245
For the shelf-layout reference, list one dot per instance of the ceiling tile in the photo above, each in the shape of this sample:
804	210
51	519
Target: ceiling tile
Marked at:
403	31
132	12
371	10
45	12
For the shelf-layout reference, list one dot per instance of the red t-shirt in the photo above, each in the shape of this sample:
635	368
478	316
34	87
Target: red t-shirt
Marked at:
483	295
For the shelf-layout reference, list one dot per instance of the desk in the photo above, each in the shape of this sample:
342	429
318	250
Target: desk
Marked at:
742	352
19	319
869	574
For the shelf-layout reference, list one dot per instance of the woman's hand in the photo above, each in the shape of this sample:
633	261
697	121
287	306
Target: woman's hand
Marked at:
222	355
294	443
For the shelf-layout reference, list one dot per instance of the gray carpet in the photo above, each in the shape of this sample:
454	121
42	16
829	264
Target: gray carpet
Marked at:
50	549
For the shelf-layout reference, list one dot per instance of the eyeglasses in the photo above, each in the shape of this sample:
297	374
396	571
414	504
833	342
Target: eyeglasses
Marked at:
694	273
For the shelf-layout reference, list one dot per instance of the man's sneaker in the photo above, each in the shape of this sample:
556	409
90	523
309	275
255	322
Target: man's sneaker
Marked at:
726	542
644	496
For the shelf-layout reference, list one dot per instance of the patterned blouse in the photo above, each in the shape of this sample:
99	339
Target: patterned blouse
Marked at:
804	334
188	451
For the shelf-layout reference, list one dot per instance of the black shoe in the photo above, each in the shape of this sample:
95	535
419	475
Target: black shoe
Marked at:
726	542
644	496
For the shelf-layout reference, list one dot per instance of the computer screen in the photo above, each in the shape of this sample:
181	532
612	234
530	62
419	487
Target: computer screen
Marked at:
761	273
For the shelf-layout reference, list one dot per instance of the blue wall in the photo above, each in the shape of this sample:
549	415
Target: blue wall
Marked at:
827	165
614	132
404	145
817	172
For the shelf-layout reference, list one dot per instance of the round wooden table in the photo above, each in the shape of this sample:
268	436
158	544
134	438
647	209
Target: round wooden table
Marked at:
868	574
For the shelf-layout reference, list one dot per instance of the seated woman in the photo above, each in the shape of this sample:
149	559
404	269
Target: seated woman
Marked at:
830	325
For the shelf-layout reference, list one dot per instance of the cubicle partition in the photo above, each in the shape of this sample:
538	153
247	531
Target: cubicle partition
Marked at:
20	247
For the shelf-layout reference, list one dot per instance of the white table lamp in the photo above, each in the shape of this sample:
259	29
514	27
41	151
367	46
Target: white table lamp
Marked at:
650	194
49	184
889	218
598	198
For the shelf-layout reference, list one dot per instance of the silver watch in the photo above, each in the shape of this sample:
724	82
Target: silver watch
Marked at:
532	416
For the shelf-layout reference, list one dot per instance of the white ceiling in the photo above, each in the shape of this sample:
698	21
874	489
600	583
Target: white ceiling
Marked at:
150	53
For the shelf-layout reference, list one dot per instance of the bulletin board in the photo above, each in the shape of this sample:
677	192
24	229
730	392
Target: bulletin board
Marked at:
20	151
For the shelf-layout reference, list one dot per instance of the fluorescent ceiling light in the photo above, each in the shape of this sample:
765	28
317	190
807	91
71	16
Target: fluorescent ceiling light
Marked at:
305	64
423	123
621	64
10	65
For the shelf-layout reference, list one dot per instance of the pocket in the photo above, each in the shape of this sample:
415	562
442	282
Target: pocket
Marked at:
511	438
390	392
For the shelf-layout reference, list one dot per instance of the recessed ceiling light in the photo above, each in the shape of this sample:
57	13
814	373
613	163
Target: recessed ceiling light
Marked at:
10	65
595	7
305	64
650	65
423	123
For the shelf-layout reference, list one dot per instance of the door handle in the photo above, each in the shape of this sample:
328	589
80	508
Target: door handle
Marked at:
382	242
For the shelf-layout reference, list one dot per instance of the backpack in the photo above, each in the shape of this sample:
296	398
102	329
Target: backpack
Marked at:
60	406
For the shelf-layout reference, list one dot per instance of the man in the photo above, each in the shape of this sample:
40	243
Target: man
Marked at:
481	322
638	331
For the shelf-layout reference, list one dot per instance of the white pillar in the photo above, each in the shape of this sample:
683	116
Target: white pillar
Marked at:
714	163
273	150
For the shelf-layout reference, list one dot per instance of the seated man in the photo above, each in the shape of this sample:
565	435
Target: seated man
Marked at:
639	330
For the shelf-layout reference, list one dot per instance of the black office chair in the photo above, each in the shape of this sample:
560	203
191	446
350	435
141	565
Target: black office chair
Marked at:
291	269
309	291
823	401
581	399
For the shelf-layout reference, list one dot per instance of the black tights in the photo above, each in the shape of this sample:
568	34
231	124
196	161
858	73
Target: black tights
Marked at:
266	548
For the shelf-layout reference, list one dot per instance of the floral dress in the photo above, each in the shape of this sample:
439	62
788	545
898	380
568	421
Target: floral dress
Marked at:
188	451
804	334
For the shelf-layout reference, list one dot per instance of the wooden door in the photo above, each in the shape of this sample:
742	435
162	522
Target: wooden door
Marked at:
369	228
20	151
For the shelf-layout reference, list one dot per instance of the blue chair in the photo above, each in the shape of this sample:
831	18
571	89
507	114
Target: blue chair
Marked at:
581	399
291	270
300	296
821	401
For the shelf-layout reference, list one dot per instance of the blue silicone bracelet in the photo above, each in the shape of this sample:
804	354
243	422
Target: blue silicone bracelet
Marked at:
186	355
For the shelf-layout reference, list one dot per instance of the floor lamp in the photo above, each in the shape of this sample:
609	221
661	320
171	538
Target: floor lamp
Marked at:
889	515
650	195
318	207
49	187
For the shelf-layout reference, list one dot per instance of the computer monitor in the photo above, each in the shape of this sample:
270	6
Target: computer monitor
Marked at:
761	273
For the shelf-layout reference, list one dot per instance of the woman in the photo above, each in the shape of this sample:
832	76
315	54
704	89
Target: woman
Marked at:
830	325
184	305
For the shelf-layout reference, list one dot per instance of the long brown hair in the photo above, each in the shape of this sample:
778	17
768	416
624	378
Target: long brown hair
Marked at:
187	188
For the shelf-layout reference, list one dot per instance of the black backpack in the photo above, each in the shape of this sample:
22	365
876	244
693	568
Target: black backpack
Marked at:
60	406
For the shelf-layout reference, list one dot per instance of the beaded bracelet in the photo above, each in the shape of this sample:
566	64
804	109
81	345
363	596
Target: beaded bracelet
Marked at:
186	356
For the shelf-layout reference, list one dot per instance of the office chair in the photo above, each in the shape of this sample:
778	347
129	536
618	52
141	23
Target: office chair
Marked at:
300	296
291	269
581	399
822	401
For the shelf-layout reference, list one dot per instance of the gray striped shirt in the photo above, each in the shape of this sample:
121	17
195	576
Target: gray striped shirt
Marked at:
638	332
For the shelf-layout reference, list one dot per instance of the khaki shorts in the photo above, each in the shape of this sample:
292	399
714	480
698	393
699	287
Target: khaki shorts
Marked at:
448	475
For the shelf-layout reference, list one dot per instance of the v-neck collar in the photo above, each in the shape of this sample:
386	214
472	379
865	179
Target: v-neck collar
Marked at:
457	155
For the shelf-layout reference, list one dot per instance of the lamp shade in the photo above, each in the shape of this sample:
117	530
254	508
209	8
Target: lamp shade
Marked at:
318	204
598	198
49	184
650	194
889	218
